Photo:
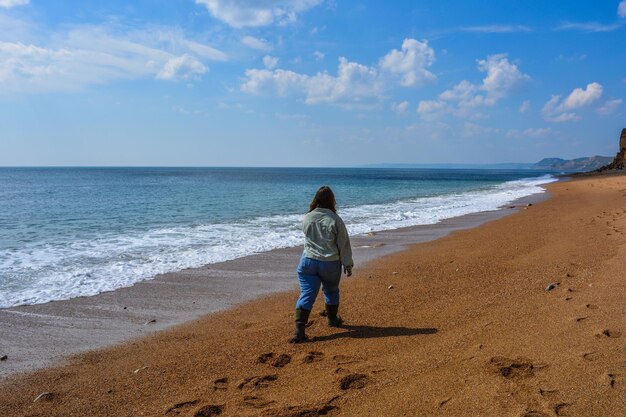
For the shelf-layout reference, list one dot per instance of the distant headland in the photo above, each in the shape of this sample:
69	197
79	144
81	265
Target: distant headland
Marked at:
584	164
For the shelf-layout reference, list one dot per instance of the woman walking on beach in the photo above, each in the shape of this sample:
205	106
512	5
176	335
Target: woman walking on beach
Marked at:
326	250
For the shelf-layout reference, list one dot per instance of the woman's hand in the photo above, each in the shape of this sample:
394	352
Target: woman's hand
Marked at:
347	270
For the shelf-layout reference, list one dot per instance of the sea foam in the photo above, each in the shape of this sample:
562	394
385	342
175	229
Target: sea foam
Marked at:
43	271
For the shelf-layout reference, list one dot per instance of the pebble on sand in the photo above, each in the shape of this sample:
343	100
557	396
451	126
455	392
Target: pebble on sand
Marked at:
552	286
140	369
4	358
390	287
44	396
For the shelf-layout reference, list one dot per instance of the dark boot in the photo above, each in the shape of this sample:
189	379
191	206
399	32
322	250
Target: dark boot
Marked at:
334	320
302	317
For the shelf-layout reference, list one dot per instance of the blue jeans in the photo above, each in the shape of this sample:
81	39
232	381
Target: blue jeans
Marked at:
311	275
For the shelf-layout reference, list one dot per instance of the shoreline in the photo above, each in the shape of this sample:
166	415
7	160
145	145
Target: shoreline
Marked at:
43	335
465	325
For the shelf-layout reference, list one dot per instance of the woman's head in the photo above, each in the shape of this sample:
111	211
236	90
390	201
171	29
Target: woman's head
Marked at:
324	198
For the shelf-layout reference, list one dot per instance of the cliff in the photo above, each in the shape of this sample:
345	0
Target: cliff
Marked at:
619	162
573	165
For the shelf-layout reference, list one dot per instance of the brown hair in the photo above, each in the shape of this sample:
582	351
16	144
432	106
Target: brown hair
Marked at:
324	198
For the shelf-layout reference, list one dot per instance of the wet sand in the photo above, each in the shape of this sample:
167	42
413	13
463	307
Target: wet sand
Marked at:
460	326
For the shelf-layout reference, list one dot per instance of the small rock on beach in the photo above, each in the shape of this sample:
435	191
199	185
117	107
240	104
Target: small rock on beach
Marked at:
44	396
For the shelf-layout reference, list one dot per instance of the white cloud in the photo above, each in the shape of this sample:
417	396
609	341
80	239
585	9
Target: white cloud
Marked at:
15	30
410	63
256	43
319	55
354	82
572	58
204	51
589	27
270	62
401	107
462	92
281	80
621	9
580	98
254	13
502	78
552	113
609	106
496	29
181	67
430	106
557	110
89	55
529	133
524	107
7	4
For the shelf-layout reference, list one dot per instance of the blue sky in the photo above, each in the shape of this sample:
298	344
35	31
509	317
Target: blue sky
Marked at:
309	82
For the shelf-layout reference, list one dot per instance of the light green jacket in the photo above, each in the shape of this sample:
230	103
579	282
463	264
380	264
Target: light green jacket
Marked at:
326	237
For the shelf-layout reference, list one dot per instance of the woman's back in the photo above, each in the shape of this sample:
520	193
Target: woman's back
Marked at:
326	237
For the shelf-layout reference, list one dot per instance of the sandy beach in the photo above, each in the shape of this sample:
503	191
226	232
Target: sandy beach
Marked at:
522	316
42	335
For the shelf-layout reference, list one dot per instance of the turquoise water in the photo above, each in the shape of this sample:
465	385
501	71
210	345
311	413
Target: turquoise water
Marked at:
67	232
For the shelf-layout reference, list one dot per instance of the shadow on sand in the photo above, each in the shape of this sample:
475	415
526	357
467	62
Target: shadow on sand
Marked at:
372	332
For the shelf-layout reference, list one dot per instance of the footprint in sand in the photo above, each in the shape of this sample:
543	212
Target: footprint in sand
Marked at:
255	382
612	334
514	368
590	356
353	381
313	356
272	359
345	359
180	407
443	402
561	409
612	379
256	402
297	411
220	384
547	393
209	411
535	414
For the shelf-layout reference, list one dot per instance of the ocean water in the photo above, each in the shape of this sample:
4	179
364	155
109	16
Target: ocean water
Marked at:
68	232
